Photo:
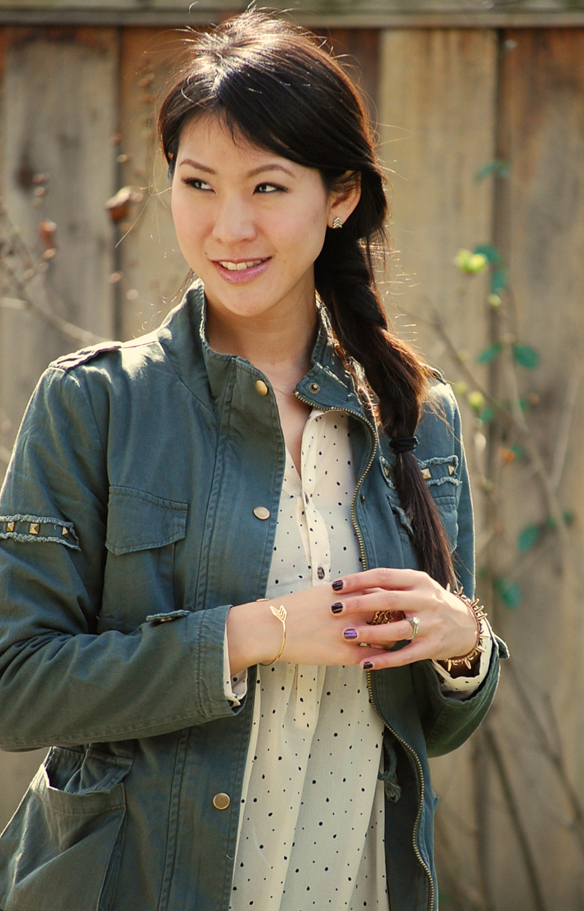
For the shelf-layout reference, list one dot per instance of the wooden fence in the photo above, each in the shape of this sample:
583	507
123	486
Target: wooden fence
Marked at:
482	129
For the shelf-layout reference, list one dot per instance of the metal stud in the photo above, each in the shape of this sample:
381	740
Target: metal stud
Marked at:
314	387
426	474
451	470
65	531
10	526
34	528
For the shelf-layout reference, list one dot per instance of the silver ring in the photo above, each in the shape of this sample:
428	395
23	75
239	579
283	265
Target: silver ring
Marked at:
415	624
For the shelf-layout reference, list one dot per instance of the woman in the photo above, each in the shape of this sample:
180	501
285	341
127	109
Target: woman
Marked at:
203	527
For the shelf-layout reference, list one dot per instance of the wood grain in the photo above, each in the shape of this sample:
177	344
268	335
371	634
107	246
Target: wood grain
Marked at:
150	261
60	104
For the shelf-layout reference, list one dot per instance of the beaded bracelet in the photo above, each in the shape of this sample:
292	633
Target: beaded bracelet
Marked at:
479	615
281	613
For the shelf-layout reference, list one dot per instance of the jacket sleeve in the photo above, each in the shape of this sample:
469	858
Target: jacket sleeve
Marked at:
447	719
61	680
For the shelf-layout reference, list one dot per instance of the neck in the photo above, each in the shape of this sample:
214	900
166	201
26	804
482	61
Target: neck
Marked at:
278	344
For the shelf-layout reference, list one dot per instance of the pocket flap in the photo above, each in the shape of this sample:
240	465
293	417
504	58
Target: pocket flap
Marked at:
138	520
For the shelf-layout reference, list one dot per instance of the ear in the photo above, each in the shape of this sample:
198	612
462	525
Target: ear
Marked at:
344	200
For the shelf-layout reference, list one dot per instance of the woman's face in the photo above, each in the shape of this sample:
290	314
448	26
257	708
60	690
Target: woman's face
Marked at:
249	223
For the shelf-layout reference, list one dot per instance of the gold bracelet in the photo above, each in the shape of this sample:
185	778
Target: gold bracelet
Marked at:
479	615
281	613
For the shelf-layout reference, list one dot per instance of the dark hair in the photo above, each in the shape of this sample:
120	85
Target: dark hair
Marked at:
272	83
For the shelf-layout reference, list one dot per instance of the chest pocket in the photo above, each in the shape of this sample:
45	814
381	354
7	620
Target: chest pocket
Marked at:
143	531
440	474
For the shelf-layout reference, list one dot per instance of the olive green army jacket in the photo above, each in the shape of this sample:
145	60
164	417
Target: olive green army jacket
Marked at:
128	526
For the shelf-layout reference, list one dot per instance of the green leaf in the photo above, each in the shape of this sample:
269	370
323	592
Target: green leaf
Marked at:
489	354
489	252
528	538
499	281
526	356
487	415
509	593
497	166
567	516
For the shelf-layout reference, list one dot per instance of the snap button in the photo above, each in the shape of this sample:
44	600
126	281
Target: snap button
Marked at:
314	387
221	801
10	526
260	512
426	474
261	387
320	572
34	528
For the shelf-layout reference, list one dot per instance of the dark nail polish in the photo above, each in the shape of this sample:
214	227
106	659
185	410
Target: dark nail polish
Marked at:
337	585
337	607
350	634
367	665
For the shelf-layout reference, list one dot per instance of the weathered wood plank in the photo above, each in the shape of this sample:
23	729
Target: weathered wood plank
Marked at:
151	264
437	129
331	6
437	107
540	227
317	13
60	105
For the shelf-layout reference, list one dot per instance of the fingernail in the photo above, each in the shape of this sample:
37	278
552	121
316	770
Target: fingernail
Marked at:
367	665
350	633
337	585
337	607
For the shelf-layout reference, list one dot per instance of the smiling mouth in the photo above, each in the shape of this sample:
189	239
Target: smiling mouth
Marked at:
240	267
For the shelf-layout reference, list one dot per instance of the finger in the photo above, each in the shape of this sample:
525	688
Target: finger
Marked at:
382	577
378	599
375	661
383	636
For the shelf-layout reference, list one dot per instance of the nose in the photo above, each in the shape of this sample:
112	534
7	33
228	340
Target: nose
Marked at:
234	222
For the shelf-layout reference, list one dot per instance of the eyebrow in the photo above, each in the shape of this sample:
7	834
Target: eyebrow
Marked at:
253	173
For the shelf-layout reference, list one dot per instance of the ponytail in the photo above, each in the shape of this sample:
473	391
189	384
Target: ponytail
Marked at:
345	282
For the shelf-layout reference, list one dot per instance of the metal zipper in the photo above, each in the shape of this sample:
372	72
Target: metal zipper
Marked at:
410	750
361	543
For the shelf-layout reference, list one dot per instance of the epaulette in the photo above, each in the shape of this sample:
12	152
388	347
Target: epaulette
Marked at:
69	361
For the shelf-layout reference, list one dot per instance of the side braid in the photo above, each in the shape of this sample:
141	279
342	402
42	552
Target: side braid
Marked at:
345	282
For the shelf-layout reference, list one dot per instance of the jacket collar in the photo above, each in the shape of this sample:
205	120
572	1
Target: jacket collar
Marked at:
209	375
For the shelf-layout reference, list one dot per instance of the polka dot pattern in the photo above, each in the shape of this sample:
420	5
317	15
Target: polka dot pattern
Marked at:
312	815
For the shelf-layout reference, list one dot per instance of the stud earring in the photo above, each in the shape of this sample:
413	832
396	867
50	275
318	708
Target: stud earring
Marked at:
338	222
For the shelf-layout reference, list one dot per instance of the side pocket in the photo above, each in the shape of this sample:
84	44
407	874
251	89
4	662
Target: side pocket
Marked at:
64	843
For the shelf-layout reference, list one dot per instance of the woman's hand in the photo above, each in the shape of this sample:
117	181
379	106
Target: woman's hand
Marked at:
329	626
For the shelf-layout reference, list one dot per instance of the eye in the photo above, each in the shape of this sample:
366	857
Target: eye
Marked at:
196	183
270	188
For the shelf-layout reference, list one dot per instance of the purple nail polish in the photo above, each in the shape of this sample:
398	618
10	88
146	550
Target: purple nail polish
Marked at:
350	634
337	607
367	665
337	585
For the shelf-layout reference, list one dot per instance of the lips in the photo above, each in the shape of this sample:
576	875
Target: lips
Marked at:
240	266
